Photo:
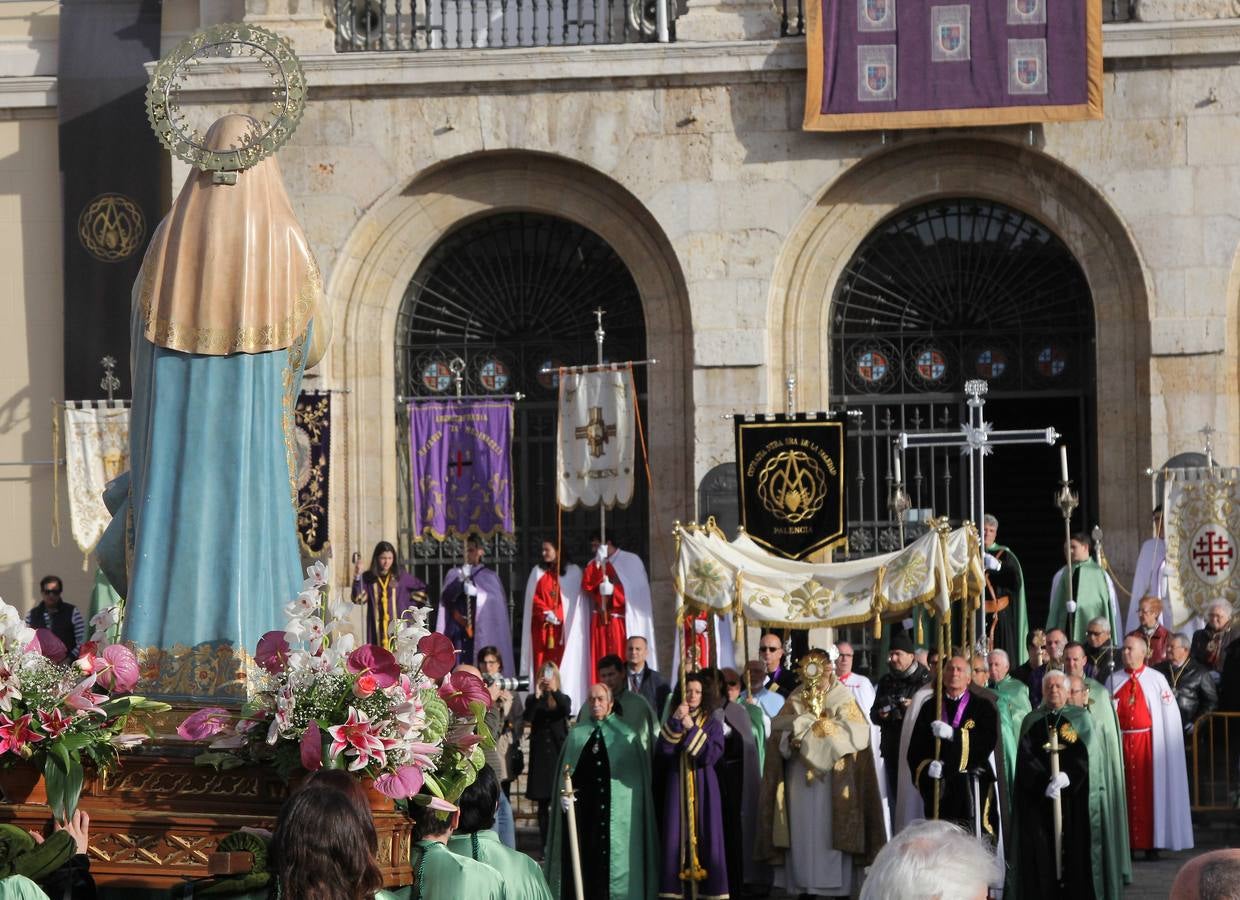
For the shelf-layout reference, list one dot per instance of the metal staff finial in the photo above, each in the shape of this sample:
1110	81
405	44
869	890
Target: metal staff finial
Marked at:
1207	436
110	382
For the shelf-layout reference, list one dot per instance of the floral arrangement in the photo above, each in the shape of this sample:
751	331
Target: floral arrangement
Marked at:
400	717
57	713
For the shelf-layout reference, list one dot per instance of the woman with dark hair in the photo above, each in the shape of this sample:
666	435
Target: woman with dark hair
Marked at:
690	744
504	721
546	710
324	844
386	591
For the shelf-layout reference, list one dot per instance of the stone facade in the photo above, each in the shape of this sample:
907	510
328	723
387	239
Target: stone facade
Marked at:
689	159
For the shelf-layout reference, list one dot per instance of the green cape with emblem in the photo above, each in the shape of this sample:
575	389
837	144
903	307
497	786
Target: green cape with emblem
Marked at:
633	858
1093	599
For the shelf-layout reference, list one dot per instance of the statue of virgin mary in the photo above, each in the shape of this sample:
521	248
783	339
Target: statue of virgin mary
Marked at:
228	311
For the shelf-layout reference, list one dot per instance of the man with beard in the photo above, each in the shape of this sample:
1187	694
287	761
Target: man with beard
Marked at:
891	700
949	752
1006	619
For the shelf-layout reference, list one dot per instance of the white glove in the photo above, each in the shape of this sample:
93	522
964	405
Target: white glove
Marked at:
466	570
606	588
1057	784
1071	606
935	769
601	555
699	626
941	730
470	590
551	618
564	801
992	564
785	745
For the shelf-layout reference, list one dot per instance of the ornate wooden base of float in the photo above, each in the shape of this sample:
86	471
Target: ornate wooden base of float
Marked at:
156	819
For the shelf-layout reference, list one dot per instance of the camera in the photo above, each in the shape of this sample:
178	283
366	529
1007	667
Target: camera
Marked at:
508	684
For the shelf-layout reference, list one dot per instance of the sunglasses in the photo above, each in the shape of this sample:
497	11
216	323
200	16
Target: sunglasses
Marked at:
767	649
55	591
1095	633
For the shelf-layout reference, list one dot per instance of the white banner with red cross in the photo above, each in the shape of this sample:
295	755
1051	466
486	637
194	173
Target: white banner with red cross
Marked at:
1202	519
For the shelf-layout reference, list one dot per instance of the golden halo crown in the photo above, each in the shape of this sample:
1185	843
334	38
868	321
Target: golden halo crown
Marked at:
233	41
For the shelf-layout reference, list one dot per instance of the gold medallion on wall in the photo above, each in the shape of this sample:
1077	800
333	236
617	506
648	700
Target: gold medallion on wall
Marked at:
112	228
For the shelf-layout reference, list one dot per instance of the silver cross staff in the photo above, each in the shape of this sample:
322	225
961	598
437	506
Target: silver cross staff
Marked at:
977	439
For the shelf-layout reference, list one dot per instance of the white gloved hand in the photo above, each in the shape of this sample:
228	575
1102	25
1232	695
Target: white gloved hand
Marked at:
992	564
606	588
1057	784
551	618
601	554
1071	606
941	730
467	570
470	589
564	801
699	626
935	769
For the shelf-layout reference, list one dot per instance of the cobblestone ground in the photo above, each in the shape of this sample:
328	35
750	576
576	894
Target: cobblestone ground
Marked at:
1151	880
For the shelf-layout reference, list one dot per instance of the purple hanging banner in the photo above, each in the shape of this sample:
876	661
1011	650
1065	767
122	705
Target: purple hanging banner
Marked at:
461	466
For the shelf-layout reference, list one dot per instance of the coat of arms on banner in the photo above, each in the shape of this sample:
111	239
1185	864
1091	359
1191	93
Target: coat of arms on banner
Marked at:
1202	525
791	483
949	33
596	446
876	15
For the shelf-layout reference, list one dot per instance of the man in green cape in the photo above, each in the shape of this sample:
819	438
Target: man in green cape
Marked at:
440	874
614	809
631	708
1007	622
1089	860
475	838
1097	700
1093	594
1012	699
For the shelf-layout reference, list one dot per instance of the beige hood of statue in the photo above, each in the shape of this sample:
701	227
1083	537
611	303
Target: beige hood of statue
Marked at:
229	270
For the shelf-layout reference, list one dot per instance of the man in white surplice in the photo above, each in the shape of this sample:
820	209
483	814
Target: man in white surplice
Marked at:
1150	580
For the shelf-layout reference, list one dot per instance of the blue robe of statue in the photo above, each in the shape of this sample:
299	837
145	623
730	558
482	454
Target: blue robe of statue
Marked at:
204	519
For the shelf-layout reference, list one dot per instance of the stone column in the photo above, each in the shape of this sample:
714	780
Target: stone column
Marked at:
730	20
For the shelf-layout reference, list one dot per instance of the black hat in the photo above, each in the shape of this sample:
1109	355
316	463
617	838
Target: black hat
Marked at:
900	640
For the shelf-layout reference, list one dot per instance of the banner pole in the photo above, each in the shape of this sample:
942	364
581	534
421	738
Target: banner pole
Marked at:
599	334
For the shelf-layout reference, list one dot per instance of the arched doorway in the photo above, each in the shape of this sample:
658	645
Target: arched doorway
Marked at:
509	294
943	292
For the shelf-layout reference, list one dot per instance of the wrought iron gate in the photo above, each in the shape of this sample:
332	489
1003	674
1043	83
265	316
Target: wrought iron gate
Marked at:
509	295
936	295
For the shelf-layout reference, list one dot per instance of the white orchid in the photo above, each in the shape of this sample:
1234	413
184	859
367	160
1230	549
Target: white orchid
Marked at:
9	618
305	604
317	576
104	619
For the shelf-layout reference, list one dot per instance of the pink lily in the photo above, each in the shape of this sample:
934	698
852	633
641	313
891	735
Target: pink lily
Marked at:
81	698
16	735
54	722
356	739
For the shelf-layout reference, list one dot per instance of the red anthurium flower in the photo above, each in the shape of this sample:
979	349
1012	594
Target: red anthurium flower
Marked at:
204	723
312	747
460	689
272	651
438	655
374	661
401	784
15	735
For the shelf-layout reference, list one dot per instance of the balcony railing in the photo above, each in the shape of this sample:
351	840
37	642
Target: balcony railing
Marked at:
792	21
482	24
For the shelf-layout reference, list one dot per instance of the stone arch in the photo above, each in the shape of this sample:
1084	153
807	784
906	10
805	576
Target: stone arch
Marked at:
385	249
828	233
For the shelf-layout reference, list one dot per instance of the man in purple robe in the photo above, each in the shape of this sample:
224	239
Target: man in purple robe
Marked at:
690	744
386	591
473	608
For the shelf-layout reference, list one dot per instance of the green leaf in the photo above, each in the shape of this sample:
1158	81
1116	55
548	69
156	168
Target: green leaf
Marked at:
76	740
218	760
58	753
73	788
55	778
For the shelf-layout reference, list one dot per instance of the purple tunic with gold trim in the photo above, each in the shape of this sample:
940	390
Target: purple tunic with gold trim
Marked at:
698	749
386	600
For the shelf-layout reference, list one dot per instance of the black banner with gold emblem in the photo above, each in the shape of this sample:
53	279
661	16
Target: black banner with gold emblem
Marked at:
791	483
110	167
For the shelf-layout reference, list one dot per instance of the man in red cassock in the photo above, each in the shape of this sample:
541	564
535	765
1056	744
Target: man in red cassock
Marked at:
1155	775
547	614
607	627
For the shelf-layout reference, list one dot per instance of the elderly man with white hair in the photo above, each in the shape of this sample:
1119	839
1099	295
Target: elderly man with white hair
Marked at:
1210	643
1099	650
932	860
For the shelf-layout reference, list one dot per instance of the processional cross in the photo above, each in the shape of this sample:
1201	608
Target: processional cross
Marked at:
978	439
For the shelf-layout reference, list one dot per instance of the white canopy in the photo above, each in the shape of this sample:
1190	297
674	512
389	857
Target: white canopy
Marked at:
740	577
